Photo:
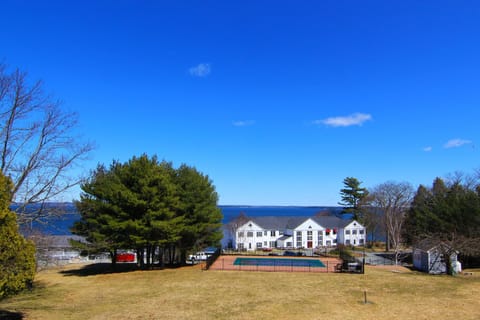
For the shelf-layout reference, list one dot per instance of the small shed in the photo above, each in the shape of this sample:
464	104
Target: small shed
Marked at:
429	256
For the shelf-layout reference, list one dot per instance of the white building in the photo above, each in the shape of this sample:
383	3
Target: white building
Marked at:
297	232
432	256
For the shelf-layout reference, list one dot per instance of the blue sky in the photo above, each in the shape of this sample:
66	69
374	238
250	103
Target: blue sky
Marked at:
276	101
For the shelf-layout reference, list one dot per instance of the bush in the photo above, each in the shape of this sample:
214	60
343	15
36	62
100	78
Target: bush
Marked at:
17	255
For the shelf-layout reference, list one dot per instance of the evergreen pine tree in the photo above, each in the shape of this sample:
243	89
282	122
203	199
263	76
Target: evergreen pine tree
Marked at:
17	255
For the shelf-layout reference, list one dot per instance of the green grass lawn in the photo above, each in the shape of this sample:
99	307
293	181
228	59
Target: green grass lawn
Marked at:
190	293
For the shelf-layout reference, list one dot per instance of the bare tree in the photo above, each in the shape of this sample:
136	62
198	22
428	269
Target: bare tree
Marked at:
394	199
373	221
38	145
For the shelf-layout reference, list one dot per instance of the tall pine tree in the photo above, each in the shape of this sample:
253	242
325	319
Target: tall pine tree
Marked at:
148	206
353	197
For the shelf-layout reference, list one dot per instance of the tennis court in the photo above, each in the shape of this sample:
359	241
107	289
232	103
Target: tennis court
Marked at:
275	264
281	262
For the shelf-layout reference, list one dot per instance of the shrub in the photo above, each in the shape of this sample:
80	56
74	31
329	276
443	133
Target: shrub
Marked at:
17	255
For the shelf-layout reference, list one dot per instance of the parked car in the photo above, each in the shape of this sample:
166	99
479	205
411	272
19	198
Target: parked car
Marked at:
201	255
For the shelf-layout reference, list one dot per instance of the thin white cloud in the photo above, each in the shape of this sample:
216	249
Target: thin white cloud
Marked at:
427	149
201	70
243	123
455	143
355	119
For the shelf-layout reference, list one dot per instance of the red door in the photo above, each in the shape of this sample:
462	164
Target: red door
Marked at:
309	244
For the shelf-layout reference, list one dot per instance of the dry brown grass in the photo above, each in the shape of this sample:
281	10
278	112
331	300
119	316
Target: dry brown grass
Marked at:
190	293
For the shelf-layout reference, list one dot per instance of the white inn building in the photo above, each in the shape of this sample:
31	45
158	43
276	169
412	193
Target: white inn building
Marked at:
297	232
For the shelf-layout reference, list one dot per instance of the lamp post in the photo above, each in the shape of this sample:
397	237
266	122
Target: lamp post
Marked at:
364	245
363	266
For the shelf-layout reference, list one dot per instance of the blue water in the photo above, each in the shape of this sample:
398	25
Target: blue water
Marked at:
278	262
231	212
60	225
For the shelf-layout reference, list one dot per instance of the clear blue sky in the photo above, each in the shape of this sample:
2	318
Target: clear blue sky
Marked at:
276	101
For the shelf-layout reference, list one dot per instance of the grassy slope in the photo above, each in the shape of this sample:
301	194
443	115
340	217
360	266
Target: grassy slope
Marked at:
189	293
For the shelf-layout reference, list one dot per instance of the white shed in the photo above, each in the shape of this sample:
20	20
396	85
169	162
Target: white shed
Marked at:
429	256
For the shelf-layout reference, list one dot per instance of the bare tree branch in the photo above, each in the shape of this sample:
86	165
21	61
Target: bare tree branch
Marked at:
394	199
39	149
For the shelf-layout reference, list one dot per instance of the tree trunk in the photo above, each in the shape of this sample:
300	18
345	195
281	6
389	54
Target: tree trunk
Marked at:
448	264
113	256
140	258
387	242
160	257
149	253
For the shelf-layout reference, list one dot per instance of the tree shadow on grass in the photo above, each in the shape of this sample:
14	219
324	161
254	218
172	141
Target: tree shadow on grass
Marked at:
8	315
107	268
100	268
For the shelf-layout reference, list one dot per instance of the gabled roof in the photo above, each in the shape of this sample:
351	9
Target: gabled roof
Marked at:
278	222
292	222
429	244
331	221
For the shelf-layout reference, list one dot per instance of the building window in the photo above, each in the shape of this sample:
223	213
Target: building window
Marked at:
320	236
361	241
241	234
250	234
265	233
329	243
347	231
259	244
309	235
299	238
265	243
272	233
259	234
334	241
347	242
354	231
240	246
361	231
289	244
272	244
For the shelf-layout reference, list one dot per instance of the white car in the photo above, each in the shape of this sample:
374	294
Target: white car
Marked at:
197	257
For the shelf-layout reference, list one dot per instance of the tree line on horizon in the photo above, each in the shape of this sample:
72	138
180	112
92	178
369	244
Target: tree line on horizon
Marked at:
446	213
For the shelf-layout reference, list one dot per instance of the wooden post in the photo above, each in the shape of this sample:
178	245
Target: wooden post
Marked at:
365	296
